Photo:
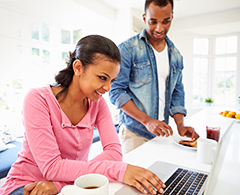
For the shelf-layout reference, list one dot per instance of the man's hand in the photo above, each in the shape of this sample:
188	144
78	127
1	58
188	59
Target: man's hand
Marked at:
158	128
154	126
40	188
184	130
188	132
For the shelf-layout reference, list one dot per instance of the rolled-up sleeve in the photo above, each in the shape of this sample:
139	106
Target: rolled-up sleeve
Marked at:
178	94
178	109
118	94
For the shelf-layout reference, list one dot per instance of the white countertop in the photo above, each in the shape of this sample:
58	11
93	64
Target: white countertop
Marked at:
165	149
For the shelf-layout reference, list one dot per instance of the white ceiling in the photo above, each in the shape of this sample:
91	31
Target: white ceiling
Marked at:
190	8
182	8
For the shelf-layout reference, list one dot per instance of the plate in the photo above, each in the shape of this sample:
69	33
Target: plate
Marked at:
237	120
177	139
234	119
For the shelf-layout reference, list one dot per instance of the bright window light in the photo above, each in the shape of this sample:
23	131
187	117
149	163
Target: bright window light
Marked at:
200	46
200	73
200	69
225	80
226	45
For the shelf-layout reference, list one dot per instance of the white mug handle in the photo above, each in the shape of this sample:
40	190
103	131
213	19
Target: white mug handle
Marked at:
68	190
214	149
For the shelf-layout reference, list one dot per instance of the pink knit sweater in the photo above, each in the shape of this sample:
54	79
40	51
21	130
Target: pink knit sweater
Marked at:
53	149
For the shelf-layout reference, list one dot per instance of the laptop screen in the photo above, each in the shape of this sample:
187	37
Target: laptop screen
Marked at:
218	160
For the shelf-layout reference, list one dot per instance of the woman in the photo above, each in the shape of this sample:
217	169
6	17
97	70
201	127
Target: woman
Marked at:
59	122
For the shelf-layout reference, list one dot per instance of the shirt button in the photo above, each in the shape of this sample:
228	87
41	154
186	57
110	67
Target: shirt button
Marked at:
167	103
63	125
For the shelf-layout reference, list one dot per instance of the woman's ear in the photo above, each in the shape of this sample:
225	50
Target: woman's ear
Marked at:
77	67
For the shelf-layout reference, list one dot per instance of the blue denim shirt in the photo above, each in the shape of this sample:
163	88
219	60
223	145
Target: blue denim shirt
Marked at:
138	81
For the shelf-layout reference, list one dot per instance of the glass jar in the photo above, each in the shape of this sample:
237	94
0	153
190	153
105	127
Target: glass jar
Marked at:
213	133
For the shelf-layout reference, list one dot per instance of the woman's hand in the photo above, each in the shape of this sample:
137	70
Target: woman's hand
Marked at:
40	188
139	177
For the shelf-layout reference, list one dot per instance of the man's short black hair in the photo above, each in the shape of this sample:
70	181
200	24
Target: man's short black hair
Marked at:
160	3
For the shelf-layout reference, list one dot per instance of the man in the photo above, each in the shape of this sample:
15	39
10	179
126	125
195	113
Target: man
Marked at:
149	86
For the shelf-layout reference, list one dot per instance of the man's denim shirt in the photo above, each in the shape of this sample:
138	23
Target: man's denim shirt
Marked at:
138	81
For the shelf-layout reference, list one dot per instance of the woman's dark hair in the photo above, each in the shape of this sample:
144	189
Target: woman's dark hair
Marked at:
87	51
160	3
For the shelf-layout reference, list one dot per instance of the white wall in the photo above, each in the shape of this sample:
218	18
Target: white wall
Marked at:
209	24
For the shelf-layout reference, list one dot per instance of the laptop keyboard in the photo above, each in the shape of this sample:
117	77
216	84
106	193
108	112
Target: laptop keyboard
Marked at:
184	182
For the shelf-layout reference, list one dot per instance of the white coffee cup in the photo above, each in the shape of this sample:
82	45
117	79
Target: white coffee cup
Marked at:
88	184
206	149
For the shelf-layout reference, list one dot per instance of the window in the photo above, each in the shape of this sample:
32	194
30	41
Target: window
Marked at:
69	41
200	72
66	37
200	69
77	34
45	32
35	52
35	30
45	57
200	46
215	75
40	43
226	45
225	68
65	56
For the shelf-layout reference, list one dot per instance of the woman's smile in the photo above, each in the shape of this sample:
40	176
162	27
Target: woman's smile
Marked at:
99	94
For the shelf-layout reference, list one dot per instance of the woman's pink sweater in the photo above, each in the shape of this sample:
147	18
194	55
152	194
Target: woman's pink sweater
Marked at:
54	149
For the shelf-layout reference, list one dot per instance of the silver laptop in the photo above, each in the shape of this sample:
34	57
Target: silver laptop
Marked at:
198	182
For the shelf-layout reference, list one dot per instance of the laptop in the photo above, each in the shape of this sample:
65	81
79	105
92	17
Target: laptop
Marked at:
181	180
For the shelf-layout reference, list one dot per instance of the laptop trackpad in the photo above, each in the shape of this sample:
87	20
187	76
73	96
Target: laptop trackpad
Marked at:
161	169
